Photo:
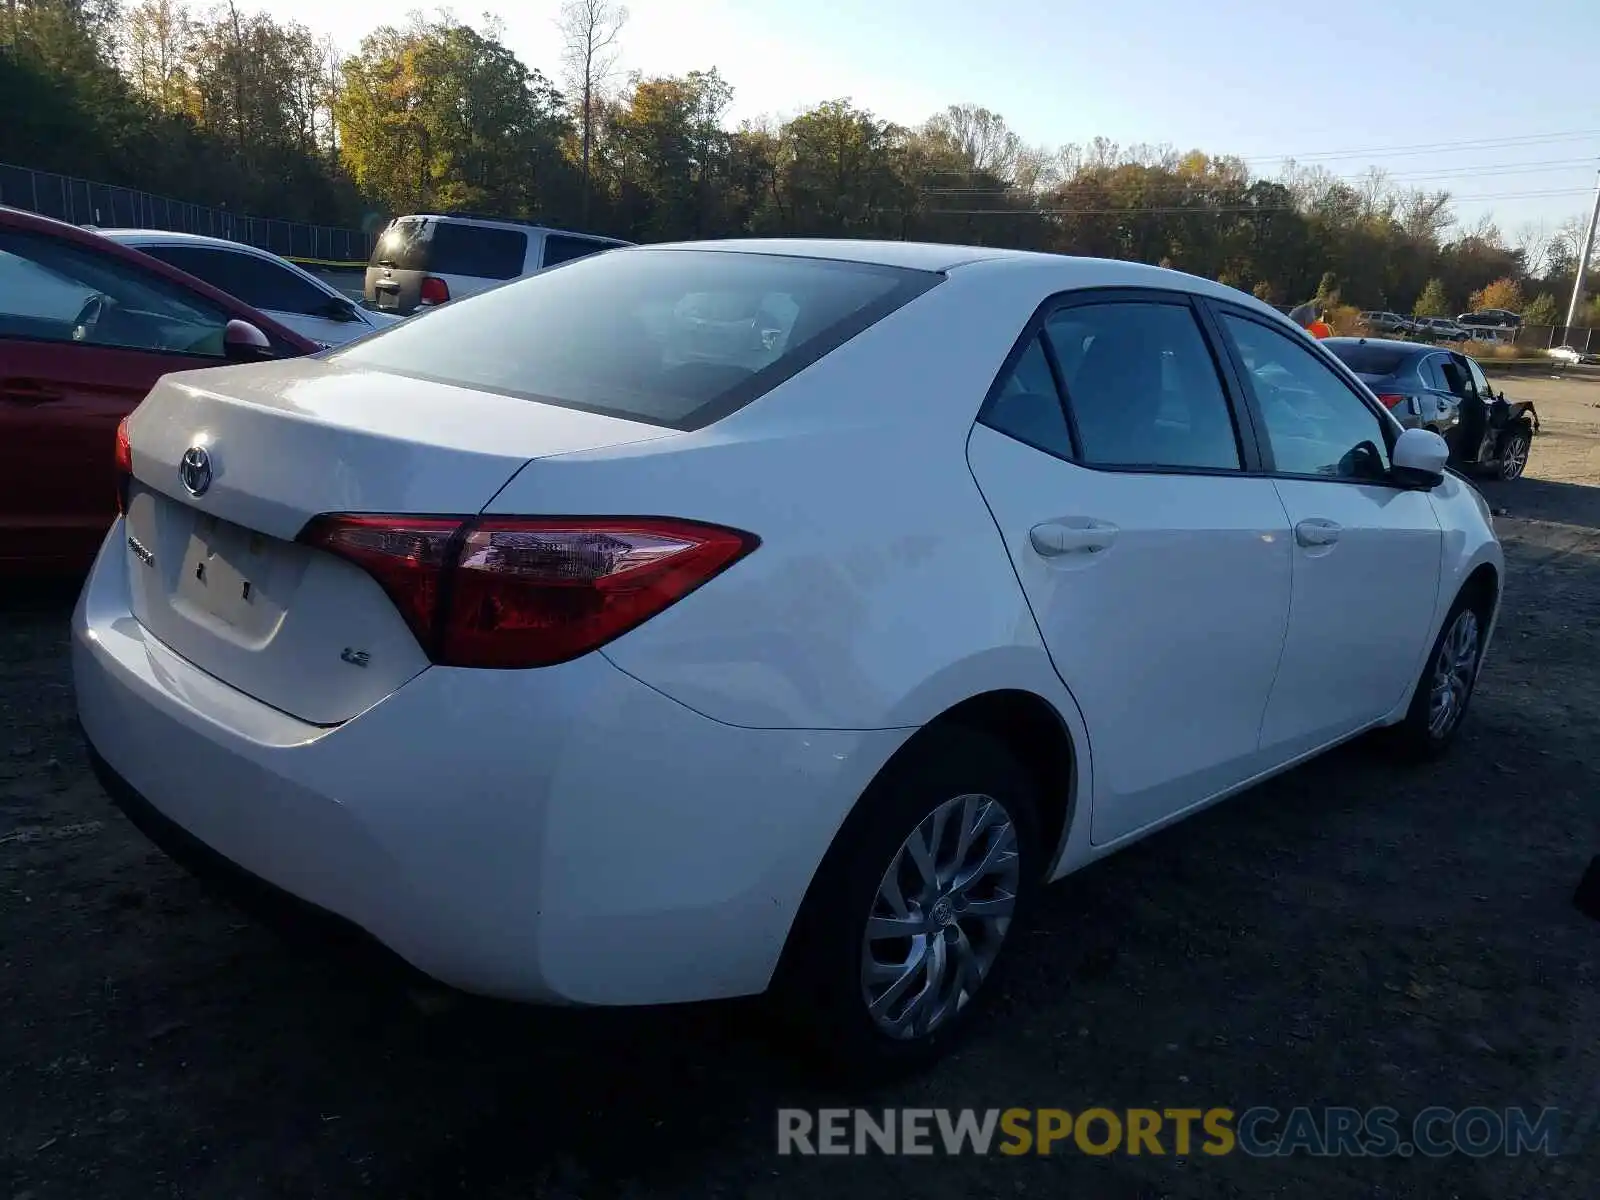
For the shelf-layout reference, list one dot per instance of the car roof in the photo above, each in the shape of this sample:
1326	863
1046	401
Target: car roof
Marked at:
509	223
93	240
1074	271
1384	344
155	237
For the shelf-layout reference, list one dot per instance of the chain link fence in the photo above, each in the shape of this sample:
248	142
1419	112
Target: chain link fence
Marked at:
82	202
1544	337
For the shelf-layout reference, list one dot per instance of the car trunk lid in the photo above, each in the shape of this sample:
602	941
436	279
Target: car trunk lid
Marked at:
217	573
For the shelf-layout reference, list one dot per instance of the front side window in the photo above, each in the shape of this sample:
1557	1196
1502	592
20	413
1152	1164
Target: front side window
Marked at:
1315	423
670	337
1142	387
55	290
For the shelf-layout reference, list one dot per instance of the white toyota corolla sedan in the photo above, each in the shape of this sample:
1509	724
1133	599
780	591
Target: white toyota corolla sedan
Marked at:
696	621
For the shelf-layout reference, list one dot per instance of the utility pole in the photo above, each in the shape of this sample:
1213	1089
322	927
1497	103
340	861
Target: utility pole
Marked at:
1583	263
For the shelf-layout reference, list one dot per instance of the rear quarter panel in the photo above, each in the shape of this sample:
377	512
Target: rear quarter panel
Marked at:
881	593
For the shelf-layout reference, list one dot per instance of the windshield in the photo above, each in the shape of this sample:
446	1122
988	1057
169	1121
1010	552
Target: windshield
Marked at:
672	337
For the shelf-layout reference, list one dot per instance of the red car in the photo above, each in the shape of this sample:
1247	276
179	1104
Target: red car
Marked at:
86	329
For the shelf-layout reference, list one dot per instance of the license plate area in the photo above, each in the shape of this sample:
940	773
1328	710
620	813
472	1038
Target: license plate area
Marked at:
235	577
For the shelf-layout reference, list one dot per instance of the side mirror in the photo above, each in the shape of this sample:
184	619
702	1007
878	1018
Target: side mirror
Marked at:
1419	459
243	342
341	310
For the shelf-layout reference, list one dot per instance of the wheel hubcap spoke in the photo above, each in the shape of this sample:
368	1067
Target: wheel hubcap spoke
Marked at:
940	915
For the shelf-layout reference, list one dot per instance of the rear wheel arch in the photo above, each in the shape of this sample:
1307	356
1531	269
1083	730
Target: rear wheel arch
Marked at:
1025	724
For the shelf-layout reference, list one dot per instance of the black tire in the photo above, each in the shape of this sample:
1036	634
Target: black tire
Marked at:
1417	738
1512	456
820	988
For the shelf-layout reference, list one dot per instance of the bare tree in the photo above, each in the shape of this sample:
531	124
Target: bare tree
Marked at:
156	39
1533	242
589	31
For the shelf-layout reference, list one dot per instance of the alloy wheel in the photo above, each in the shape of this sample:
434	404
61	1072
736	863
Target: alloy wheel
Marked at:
1515	461
1454	670
940	916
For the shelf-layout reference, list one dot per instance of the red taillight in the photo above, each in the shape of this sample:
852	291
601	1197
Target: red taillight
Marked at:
528	591
124	468
434	290
1390	401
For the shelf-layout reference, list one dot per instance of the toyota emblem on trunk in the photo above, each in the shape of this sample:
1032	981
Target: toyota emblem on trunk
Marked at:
195	470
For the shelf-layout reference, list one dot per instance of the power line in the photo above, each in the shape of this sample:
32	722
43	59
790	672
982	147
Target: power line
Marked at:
1536	139
1171	210
1404	176
1427	147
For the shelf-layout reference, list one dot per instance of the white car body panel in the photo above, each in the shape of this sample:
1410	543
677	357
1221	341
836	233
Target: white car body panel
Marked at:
558	809
1194	661
1362	612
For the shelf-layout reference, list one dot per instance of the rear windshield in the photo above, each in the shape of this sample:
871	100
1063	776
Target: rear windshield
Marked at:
1370	360
678	338
451	248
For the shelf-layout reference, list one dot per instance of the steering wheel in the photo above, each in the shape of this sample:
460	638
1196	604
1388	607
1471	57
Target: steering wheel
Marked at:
89	316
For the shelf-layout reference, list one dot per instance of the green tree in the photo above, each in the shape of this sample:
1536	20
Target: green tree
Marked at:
1541	310
1433	302
439	115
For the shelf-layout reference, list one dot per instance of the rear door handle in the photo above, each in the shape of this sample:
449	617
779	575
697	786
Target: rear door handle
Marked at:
1317	531
1055	538
28	391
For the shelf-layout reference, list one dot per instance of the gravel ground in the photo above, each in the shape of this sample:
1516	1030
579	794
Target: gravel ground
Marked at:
1348	934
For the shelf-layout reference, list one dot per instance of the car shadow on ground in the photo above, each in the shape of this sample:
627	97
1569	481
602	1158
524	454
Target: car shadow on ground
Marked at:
1543	500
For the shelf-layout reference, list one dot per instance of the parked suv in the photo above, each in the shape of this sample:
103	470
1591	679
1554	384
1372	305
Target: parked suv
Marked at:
1386	322
425	260
1440	329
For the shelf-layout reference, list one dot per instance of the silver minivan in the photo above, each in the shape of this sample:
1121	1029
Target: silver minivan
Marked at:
424	260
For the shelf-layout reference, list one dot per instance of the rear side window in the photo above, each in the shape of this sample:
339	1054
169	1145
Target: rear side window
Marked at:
1142	387
442	247
678	338
259	283
1369	360
1027	406
1431	369
560	248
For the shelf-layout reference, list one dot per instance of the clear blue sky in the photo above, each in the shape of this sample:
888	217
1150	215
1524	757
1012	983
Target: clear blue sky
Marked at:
1251	77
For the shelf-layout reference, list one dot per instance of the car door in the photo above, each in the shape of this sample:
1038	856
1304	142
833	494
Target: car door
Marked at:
1157	567
1440	406
1366	551
270	287
66	381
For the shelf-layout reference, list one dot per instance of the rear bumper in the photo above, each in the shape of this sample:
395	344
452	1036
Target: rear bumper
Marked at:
566	835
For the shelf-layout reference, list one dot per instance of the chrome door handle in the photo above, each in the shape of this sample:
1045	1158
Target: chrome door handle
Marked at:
1317	531
1055	538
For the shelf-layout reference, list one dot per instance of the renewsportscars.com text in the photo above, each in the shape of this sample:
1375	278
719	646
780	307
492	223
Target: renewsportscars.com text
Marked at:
1259	1132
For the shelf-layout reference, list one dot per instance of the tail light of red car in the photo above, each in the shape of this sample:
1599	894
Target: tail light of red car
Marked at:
124	467
514	592
1389	400
434	290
